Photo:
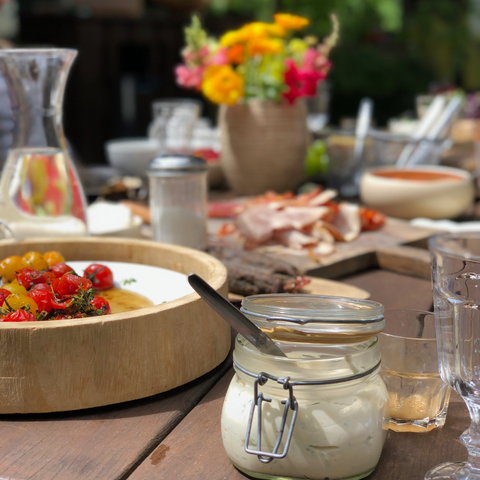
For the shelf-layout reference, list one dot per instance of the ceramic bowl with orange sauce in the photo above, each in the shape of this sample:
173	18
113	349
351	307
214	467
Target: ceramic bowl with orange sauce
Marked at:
435	192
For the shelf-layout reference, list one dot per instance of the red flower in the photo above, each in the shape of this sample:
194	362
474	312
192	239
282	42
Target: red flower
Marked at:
301	82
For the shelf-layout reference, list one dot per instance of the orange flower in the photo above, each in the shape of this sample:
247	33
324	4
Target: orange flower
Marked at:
262	46
221	84
236	54
290	22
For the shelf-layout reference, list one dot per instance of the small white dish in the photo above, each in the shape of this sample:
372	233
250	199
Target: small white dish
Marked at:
434	192
132	155
159	285
109	219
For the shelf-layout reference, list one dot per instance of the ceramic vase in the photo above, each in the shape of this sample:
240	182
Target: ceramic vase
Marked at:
264	145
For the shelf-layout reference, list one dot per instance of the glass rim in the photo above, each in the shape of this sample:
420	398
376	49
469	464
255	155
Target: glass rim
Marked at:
35	51
435	246
407	310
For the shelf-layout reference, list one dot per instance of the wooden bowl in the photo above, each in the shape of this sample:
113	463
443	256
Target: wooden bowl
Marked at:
74	364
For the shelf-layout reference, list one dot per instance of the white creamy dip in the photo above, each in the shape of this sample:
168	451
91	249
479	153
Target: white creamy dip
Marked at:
339	431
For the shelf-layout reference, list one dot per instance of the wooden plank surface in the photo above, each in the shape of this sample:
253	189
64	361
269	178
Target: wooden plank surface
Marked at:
102	443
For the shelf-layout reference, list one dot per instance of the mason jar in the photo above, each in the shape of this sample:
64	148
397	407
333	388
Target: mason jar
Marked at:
320	412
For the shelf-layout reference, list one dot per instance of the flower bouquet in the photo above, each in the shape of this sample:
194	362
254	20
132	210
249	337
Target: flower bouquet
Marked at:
257	74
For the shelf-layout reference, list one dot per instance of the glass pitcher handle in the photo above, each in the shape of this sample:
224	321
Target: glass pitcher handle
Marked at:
5	232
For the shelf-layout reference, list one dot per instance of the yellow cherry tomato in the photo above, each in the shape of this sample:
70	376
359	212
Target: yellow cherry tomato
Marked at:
8	267
53	257
17	301
34	260
14	287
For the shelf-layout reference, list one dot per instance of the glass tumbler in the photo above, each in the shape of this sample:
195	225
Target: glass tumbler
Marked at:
418	397
456	293
173	123
178	200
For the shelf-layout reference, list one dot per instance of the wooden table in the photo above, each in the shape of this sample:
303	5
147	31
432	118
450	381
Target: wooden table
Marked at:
176	436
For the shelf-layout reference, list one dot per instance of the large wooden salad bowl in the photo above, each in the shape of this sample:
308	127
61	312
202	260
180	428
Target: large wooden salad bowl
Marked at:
73	364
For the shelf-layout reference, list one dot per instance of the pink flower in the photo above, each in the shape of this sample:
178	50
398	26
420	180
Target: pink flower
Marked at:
189	77
196	56
220	57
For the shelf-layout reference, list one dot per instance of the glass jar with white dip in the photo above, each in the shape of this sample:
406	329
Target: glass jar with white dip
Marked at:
321	412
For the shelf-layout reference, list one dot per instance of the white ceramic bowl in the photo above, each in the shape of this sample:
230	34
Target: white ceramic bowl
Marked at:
446	196
132	155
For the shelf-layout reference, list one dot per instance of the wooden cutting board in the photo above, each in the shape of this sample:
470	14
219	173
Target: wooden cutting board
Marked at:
321	286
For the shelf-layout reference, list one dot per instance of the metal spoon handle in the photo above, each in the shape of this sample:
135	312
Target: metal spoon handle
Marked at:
231	315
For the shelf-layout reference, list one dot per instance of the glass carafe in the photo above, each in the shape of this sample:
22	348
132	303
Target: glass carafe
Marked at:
40	194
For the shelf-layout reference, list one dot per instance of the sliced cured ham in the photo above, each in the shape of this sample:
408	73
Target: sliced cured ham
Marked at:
295	239
323	197
255	223
346	225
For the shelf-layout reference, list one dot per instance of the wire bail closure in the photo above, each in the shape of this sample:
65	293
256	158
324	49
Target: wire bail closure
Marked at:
290	404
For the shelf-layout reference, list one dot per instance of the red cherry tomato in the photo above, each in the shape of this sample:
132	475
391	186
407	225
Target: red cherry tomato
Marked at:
101	304
100	275
60	317
42	298
69	284
60	269
41	286
61	304
20	316
28	277
4	293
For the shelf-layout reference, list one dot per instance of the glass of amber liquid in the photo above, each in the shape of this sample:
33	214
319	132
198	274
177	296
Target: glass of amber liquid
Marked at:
418	397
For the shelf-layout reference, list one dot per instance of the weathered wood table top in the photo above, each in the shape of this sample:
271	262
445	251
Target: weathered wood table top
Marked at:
176	435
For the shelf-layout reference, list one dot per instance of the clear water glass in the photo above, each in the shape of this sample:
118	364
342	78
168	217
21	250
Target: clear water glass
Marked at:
418	397
173	124
456	293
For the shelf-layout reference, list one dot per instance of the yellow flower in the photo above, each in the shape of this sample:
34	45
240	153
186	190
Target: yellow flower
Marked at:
221	84
262	46
252	31
297	46
290	22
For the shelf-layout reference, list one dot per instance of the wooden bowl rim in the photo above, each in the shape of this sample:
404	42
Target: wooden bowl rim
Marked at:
218	278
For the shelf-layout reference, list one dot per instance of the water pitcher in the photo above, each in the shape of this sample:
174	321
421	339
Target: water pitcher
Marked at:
40	194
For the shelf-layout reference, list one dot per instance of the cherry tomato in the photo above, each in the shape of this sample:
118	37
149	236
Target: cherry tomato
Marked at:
3	295
28	277
15	287
60	317
9	265
17	301
20	316
41	286
371	219
43	299
101	304
34	260
100	275
69	284
61	304
53	257
60	269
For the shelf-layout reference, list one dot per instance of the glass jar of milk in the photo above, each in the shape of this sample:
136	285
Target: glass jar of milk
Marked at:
178	200
321	411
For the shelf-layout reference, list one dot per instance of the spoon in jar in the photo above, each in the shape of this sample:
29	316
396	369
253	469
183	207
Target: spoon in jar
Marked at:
234	318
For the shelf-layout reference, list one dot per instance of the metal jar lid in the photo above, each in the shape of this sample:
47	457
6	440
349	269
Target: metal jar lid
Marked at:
175	165
314	318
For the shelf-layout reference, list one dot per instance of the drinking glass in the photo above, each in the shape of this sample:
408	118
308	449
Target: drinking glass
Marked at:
456	293
417	395
173	122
